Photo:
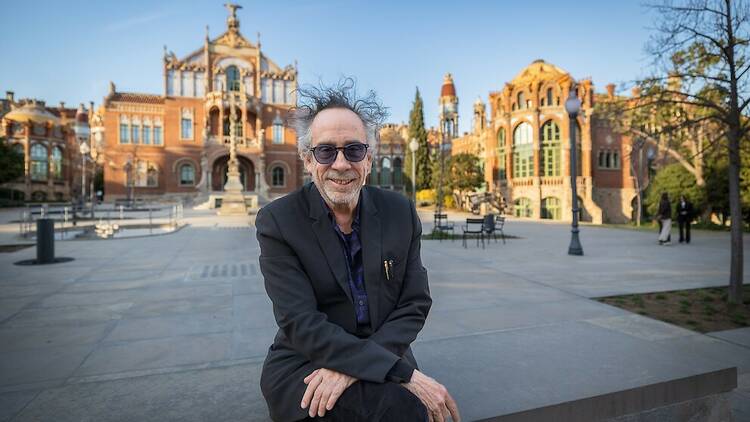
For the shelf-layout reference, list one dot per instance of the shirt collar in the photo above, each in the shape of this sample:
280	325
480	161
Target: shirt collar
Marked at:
355	221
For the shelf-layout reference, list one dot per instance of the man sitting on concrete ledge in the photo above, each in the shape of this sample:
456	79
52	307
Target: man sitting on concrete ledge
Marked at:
342	266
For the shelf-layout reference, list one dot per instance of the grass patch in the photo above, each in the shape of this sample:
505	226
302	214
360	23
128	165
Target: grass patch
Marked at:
702	310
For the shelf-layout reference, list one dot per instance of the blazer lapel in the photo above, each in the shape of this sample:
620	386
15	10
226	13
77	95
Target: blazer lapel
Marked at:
329	242
371	253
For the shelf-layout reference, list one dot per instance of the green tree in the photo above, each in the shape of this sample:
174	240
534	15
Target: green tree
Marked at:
462	173
705	46
675	180
11	163
417	131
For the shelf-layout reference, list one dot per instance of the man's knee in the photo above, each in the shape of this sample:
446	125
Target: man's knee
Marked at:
402	405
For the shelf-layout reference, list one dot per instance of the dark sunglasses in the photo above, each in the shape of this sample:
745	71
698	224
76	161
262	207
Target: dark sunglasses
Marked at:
326	154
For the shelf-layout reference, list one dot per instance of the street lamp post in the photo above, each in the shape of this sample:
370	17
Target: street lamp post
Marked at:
443	145
84	149
414	146
573	106
129	180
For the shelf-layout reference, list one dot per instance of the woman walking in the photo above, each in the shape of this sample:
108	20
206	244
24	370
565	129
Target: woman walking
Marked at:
665	219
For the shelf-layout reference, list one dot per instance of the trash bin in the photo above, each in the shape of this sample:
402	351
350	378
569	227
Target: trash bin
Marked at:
45	240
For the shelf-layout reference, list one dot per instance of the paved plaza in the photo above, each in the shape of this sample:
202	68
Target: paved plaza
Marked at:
175	327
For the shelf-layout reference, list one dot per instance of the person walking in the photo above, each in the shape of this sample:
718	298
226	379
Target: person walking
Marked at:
665	218
684	217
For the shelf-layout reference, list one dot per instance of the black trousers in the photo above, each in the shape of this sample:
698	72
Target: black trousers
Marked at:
684	230
367	401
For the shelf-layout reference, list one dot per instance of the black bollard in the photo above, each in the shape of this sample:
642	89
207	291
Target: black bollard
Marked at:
45	241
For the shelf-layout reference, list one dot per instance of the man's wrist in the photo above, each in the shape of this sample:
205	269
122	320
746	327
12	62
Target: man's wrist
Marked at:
401	372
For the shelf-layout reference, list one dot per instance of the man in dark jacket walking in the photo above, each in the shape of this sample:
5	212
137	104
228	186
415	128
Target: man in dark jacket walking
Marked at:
684	217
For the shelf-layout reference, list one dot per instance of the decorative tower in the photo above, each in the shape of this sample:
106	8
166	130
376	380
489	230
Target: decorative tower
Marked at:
480	116
448	108
448	130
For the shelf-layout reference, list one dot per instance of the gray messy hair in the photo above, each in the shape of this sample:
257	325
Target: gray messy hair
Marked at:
311	100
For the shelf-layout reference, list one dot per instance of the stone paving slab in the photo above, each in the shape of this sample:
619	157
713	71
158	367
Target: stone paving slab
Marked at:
137	355
738	336
546	365
219	394
180	323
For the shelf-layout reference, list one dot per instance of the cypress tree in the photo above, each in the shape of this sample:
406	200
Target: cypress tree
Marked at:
417	131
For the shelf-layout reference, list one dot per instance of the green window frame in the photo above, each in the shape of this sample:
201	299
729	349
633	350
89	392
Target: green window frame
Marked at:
501	162
233	78
551	152
522	208
56	163
523	154
551	209
39	162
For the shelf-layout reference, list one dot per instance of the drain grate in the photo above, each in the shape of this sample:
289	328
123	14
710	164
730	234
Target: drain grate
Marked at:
225	270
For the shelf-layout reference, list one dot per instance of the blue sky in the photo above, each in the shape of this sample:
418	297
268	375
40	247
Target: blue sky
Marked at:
68	51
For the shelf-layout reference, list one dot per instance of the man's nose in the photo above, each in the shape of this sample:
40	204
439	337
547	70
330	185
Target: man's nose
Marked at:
341	163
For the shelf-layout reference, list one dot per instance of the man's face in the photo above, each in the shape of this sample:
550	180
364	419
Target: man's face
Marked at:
339	182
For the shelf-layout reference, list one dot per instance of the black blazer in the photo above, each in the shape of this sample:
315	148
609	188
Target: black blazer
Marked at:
685	213
305	276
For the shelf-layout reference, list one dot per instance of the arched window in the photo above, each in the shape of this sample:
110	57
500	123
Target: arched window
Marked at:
187	174
214	121
277	176
521	100
608	160
501	171
549	96
233	78
398	179
550	135
278	130
616	160
56	164
522	208
38	162
551	208
385	172
523	155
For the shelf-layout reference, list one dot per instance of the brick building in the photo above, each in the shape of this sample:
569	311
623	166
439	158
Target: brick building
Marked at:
45	137
175	144
524	148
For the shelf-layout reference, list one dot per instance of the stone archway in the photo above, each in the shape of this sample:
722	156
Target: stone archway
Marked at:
219	173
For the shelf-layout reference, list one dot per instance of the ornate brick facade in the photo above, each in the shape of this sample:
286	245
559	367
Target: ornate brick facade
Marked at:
525	149
176	143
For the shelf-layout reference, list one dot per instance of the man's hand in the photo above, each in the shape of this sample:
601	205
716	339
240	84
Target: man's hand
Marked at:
435	397
324	387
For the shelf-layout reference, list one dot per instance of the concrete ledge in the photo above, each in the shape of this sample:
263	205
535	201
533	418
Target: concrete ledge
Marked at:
679	398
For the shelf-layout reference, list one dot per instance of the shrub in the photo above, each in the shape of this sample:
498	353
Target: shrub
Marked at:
426	196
